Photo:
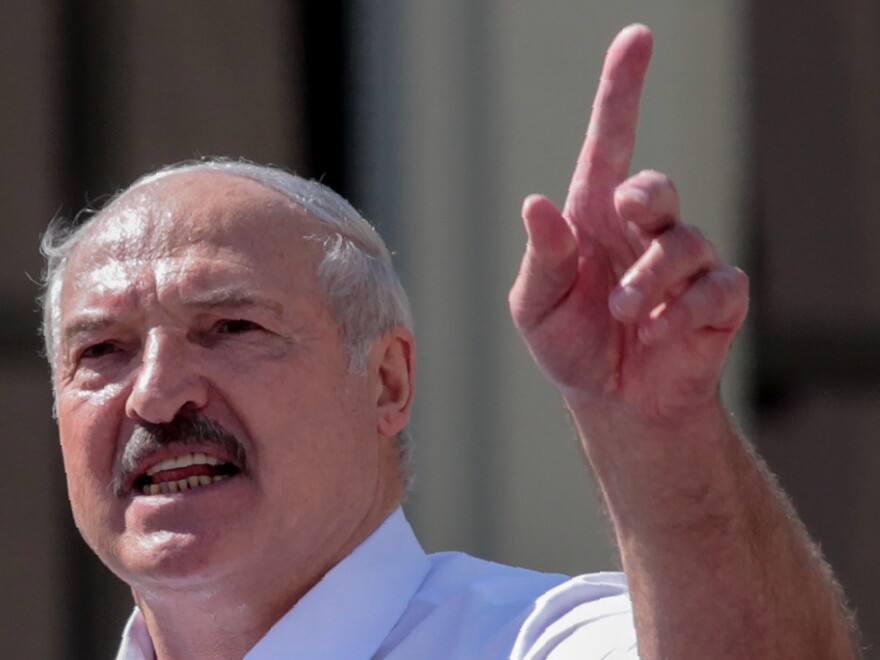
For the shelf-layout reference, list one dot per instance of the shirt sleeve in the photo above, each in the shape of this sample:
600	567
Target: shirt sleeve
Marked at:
587	617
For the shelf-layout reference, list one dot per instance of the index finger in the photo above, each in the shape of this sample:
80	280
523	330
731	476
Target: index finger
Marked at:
605	157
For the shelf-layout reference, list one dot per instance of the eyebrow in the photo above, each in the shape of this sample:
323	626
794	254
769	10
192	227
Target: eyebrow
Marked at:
87	325
231	299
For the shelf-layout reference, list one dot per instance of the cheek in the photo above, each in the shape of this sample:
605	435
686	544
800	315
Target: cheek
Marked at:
87	426
320	421
88	439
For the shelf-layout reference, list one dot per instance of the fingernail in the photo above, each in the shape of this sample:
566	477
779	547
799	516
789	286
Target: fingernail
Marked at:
626	302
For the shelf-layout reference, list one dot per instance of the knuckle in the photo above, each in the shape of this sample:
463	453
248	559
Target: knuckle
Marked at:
655	183
685	313
726	290
690	244
658	184
663	183
658	207
740	280
681	316
653	176
731	280
643	176
715	289
740	286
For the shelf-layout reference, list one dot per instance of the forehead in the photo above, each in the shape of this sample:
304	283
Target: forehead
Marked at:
174	213
202	228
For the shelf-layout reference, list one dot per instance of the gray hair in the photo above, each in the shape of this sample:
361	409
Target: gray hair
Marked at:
355	276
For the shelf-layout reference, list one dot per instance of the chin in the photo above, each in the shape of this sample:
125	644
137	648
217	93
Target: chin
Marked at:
163	560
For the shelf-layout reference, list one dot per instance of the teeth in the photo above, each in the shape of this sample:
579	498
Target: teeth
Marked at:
183	461
182	485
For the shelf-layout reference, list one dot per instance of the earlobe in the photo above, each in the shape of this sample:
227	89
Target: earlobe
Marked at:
394	364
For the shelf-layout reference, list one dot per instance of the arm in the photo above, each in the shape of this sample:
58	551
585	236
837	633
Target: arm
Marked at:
630	314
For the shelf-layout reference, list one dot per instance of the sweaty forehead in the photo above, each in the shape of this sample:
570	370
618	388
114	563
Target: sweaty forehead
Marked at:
172	214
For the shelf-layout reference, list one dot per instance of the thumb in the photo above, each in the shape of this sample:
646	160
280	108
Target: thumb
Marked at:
549	266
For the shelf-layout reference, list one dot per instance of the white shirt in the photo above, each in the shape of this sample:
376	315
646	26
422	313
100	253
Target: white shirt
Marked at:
388	599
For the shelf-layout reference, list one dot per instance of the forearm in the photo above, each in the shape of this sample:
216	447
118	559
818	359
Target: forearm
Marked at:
718	564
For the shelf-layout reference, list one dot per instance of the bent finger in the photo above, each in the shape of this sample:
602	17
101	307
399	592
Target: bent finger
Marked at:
648	200
716	301
671	261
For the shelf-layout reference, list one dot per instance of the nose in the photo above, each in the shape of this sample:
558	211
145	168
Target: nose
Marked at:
168	380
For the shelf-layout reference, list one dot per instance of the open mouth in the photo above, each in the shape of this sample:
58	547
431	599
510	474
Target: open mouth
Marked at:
182	473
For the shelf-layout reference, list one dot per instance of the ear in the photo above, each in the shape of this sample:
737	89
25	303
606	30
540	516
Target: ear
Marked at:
393	360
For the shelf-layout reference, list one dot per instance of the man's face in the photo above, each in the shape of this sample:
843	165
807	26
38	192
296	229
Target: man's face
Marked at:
195	297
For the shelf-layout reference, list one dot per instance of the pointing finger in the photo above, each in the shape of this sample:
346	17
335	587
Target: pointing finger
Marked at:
605	157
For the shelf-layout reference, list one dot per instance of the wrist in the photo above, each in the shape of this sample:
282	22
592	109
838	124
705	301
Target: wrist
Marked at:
660	475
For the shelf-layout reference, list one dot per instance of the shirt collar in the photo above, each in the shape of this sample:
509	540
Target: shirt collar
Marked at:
350	612
136	643
347	615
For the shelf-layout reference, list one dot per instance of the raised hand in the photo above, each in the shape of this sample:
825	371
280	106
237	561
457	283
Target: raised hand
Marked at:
630	313
619	302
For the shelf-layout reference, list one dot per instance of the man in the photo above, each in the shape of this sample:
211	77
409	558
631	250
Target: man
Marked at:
233	368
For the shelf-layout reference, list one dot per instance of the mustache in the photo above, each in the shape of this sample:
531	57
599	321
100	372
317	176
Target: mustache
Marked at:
148	438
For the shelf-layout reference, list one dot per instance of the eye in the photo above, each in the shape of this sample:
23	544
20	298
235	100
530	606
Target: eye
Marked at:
237	326
98	350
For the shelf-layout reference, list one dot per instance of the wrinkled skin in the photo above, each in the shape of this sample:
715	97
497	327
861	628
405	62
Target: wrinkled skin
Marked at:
196	296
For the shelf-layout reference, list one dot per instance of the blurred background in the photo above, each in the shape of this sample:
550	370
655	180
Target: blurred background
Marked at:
436	119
